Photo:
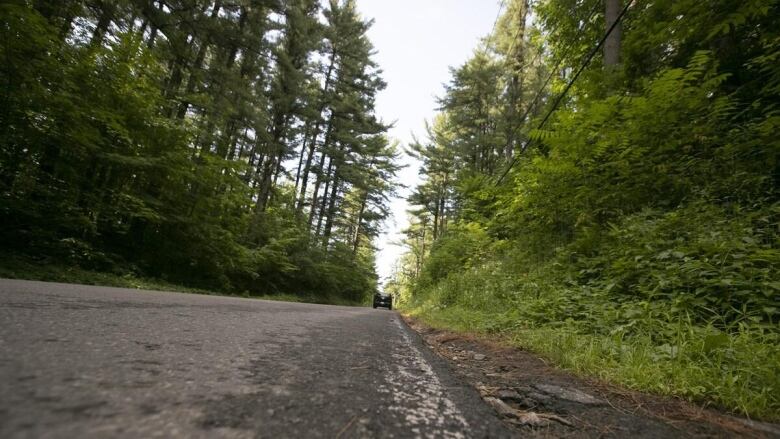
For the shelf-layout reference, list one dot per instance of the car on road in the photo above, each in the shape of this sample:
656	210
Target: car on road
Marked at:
385	300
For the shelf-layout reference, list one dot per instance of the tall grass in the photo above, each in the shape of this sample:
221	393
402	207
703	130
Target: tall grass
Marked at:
653	349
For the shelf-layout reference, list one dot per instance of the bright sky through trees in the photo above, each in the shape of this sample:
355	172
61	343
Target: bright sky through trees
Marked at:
417	41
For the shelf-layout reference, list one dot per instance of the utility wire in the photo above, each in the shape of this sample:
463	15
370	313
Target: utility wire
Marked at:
569	85
563	56
493	29
512	44
554	70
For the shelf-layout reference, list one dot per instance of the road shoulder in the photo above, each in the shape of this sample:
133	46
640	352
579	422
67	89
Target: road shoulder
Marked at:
480	421
535	399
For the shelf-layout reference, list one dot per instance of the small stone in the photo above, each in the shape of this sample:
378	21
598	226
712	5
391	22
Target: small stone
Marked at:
479	357
501	407
532	419
538	419
484	390
509	394
538	397
569	394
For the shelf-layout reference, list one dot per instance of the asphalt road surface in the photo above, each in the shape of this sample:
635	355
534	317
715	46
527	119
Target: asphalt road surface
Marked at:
83	361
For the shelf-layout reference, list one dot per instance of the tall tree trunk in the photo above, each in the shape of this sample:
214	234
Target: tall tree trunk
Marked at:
612	43
318	181
301	158
230	137
153	13
324	197
316	133
356	242
252	178
277	172
421	259
242	18
309	158
270	164
279	156
172	87
197	65
442	216
436	217
265	182
516	81
331	212
152	37
304	173
142	30
104	20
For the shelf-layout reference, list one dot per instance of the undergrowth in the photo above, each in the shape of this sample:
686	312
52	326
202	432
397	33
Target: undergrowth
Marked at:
737	372
18	267
682	303
634	236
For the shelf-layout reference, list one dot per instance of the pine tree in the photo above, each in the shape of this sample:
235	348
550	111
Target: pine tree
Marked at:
170	129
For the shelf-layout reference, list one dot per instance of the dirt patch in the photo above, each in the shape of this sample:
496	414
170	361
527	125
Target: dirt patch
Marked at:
540	401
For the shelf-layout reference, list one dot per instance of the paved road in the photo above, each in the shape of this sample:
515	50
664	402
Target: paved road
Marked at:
82	361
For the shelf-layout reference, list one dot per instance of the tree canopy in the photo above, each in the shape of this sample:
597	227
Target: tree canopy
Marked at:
225	145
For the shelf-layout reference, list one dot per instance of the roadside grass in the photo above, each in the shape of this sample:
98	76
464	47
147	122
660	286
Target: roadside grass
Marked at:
14	267
737	371
681	303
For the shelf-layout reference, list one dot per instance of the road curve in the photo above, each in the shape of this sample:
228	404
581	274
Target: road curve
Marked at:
84	361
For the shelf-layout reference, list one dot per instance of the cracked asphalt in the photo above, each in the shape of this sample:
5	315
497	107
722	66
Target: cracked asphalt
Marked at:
85	361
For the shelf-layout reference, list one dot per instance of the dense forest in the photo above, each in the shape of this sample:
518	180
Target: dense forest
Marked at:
224	145
600	186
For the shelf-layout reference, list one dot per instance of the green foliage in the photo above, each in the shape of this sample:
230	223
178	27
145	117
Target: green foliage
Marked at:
583	322
130	144
710	266
636	239
460	248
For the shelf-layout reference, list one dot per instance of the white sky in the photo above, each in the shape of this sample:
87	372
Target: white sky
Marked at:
417	41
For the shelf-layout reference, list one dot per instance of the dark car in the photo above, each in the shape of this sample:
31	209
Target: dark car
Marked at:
385	300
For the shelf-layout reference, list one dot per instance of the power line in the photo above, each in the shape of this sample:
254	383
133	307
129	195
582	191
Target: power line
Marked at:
569	85
512	43
493	29
563	56
492	32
